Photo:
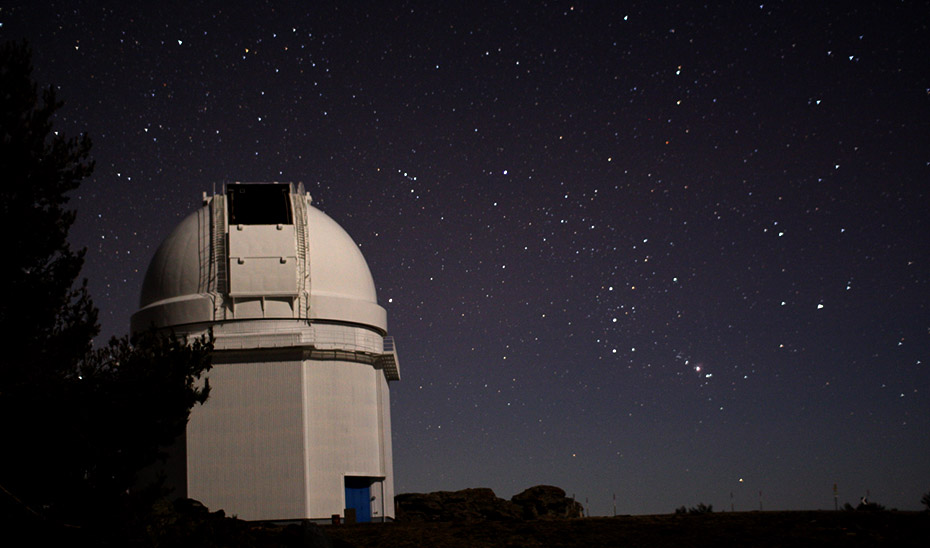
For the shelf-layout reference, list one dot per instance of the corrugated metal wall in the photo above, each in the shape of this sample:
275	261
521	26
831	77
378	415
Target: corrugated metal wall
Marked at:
245	447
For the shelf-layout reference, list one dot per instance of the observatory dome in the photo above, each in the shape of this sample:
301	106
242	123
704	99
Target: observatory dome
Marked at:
256	263
298	425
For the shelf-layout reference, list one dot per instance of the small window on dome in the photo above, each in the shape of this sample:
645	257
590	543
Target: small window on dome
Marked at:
252	204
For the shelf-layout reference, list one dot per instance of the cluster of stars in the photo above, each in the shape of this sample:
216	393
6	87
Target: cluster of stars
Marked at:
665	236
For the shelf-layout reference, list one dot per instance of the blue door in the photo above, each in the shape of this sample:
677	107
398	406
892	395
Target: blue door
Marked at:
358	496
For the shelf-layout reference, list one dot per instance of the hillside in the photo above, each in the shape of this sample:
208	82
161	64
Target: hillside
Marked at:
757	529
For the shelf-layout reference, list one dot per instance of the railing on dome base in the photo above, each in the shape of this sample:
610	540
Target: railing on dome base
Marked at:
388	360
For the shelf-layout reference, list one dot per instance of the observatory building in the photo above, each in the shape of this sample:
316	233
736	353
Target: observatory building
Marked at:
298	422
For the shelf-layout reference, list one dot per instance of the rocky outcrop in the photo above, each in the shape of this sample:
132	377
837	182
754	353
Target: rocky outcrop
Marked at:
481	504
547	502
466	505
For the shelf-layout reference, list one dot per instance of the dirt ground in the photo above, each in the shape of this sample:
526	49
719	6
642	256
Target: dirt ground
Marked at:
755	529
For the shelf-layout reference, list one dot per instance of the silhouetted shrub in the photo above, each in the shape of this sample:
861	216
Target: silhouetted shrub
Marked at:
701	508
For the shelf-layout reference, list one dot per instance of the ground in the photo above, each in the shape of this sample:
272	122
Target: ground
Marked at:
757	529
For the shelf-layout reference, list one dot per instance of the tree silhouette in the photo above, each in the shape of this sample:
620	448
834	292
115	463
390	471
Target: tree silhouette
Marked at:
134	399
78	424
46	321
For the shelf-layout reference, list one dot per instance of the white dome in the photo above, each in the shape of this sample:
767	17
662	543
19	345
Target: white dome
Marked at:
207	270
175	269
337	266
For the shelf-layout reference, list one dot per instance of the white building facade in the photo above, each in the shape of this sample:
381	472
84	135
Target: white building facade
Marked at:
297	425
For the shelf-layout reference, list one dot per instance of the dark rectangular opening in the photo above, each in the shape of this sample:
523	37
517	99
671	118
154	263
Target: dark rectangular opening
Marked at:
259	204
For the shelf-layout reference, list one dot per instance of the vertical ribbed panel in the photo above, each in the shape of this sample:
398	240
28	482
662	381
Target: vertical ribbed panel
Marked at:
245	447
387	449
343	430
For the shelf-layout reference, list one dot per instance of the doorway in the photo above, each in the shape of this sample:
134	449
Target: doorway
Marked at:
358	497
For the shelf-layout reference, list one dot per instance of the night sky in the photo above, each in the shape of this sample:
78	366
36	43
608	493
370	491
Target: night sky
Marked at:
674	253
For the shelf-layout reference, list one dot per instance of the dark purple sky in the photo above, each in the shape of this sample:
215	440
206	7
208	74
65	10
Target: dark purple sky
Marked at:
671	253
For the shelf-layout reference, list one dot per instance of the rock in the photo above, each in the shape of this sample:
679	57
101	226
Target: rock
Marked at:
479	504
547	502
418	507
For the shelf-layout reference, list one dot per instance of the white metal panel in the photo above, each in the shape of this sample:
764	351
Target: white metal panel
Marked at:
387	450
328	307
179	311
263	276
344	337
180	264
262	241
343	430
245	445
262	260
337	266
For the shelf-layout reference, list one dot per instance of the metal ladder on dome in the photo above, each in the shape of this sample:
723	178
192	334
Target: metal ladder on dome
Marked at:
218	228
303	271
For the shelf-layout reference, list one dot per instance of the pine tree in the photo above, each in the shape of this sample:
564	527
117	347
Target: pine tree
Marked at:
47	321
79	424
134	399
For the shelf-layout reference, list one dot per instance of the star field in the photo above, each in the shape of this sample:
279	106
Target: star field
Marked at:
671	252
